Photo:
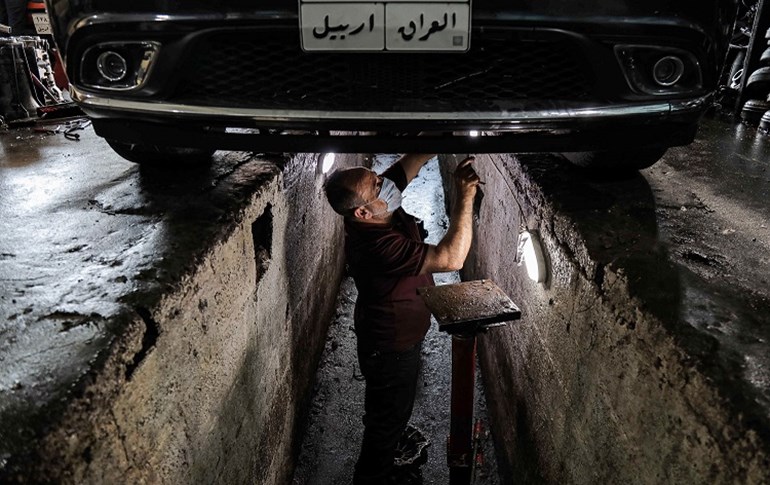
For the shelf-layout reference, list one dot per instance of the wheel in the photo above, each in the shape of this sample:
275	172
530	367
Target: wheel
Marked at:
616	160
159	156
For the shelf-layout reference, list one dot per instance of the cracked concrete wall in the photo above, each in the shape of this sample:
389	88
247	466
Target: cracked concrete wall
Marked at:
601	381
209	383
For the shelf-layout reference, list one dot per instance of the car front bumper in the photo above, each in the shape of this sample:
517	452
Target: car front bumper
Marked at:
216	74
551	128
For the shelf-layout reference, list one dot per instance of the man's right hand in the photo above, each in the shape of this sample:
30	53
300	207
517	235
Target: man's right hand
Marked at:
466	179
450	253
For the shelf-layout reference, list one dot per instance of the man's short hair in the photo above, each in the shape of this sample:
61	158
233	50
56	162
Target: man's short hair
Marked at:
339	192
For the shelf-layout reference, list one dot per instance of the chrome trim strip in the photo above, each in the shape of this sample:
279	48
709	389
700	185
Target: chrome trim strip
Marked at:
119	18
515	17
266	115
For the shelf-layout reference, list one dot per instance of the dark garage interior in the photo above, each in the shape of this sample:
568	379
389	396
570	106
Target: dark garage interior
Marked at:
183	302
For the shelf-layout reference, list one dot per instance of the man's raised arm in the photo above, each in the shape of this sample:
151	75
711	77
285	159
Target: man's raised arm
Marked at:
450	253
413	162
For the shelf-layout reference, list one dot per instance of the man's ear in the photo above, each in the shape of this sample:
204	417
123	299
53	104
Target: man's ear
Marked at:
362	213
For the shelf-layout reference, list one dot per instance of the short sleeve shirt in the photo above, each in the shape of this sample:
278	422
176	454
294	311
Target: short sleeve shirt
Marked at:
385	262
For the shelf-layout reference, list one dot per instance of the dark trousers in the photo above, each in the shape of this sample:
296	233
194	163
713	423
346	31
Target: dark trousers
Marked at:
391	384
14	14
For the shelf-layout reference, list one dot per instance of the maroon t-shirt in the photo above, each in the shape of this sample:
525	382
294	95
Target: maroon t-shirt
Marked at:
385	261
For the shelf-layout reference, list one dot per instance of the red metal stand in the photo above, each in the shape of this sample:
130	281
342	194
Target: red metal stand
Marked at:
463	310
460	445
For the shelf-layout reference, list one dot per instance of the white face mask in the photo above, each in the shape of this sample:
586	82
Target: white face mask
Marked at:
389	194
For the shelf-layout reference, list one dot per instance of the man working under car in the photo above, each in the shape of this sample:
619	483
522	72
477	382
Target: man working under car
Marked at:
388	260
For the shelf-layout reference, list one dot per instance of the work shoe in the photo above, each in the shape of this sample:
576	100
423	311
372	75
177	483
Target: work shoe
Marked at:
412	448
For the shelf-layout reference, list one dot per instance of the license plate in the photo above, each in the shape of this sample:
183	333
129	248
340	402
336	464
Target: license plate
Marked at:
417	26
42	23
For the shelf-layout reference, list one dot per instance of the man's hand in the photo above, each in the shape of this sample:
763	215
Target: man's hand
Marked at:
466	179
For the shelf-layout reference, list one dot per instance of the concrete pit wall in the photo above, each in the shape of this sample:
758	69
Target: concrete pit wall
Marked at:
607	378
208	382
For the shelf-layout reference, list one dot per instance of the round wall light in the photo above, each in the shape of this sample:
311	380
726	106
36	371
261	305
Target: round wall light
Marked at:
328	162
531	255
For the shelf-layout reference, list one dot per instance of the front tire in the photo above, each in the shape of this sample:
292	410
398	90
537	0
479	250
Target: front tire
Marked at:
616	160
159	156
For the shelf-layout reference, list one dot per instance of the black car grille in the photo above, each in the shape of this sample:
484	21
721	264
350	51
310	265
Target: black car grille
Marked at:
262	71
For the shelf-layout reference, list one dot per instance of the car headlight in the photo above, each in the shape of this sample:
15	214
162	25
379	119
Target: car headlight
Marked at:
117	66
659	70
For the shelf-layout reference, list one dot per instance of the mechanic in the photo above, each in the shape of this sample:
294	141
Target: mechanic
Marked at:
13	13
389	260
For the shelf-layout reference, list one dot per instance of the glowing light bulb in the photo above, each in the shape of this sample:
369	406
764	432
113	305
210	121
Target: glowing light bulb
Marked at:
531	254
474	133
328	162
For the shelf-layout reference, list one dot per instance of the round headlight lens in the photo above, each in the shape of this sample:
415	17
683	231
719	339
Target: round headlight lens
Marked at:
668	71
112	66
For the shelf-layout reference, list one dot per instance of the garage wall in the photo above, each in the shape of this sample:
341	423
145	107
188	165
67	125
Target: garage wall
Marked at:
601	381
209	384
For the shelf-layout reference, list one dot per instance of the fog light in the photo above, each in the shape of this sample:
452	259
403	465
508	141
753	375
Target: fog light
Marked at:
660	70
117	66
668	71
112	66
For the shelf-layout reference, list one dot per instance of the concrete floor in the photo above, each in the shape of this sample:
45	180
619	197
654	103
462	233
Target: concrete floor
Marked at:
88	241
85	245
712	211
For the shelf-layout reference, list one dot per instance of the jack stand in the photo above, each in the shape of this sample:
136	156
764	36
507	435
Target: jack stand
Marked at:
464	310
460	442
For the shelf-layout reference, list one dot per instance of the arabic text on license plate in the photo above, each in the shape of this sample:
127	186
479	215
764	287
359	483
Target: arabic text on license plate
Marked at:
42	23
350	25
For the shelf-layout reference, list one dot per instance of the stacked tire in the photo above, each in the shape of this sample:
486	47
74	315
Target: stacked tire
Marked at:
757	108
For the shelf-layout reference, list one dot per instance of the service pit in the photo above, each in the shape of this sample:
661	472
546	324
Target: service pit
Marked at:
642	358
